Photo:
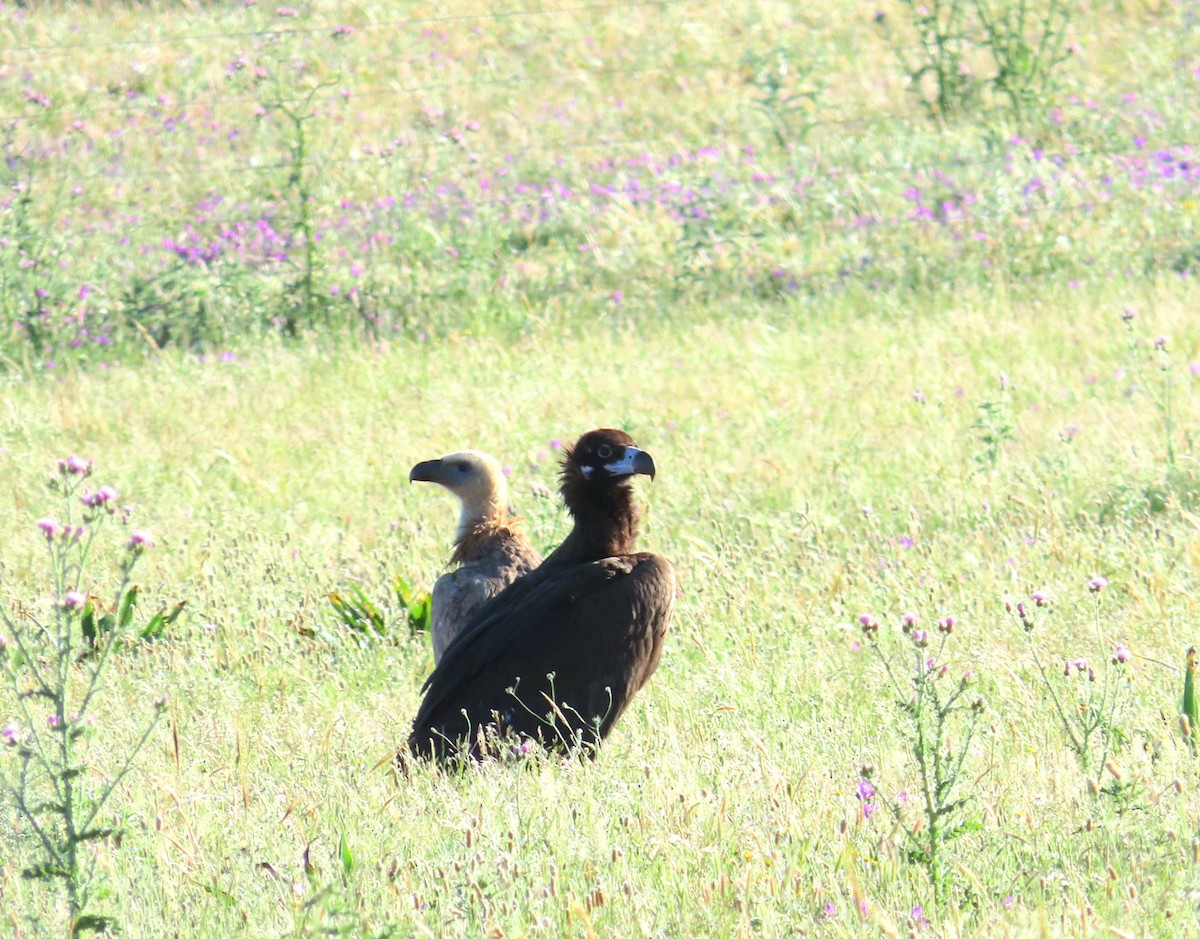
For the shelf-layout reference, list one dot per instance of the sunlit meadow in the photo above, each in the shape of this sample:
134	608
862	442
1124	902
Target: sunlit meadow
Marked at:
922	389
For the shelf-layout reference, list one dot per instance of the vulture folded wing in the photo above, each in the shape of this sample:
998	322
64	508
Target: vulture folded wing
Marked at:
598	628
457	596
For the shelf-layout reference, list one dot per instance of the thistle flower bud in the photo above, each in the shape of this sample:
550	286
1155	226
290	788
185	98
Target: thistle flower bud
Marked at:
946	625
1097	583
1121	655
139	539
1038	597
920	637
75	466
73	600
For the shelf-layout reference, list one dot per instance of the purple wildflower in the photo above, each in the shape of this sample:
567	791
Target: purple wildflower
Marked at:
1121	654
140	539
73	600
50	527
1038	597
1097	583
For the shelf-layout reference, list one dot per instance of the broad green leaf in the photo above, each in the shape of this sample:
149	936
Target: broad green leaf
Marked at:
125	613
346	856
1191	708
87	623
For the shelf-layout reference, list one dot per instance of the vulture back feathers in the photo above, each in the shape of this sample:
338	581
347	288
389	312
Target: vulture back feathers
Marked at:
490	550
558	656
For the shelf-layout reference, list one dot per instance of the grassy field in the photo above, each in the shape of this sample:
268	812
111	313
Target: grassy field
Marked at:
885	363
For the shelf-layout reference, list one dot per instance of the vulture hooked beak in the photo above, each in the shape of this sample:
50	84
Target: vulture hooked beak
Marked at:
430	471
632	462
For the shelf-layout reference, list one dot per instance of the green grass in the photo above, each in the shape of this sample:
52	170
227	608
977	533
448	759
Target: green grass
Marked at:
724	803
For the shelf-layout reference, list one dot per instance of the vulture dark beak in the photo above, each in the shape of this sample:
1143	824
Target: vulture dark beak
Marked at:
428	472
632	462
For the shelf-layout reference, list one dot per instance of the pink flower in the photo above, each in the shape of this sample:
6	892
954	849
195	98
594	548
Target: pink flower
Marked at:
73	600
1121	655
54	721
10	734
1038	597
75	465
50	527
105	495
140	539
1097	583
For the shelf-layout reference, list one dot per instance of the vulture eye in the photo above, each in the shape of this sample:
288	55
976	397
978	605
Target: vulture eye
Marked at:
604	451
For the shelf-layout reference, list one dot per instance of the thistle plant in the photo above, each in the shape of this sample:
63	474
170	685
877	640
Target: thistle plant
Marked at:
54	657
1151	363
1089	703
939	718
1019	44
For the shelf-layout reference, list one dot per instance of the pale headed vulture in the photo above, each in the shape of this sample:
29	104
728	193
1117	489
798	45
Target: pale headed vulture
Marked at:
490	550
558	656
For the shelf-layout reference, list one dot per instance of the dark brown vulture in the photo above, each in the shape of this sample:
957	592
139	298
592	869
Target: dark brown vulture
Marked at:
558	655
490	549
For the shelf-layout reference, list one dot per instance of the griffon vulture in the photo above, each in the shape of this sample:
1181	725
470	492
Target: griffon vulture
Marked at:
490	550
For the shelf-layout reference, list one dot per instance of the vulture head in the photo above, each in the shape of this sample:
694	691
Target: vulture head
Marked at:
605	457
596	476
476	478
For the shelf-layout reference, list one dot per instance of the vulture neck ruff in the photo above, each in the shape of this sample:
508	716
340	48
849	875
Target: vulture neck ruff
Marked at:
606	518
482	536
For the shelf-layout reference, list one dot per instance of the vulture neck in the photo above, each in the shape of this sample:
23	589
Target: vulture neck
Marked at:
481	535
472	517
606	523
